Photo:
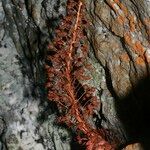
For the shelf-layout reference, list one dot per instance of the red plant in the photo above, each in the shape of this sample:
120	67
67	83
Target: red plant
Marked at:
67	54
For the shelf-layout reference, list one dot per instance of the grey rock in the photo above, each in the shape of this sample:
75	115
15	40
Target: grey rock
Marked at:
21	79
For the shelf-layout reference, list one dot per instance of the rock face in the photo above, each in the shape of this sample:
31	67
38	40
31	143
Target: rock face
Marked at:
26	121
119	35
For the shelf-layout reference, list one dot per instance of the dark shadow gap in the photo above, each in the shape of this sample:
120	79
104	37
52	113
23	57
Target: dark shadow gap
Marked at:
134	112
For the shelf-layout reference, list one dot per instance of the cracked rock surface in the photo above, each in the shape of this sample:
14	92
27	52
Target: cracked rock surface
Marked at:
23	35
119	36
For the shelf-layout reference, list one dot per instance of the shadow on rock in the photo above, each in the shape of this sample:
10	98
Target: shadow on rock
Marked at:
134	113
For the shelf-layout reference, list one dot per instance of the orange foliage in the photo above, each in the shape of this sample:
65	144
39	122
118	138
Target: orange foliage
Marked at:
67	54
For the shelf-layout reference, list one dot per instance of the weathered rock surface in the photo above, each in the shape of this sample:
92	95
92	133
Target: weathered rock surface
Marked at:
26	121
119	36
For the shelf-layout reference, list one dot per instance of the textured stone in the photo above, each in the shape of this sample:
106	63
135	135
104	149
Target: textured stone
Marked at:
23	34
120	39
119	35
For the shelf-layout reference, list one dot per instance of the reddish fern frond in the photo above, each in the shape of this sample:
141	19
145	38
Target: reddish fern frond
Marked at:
67	54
